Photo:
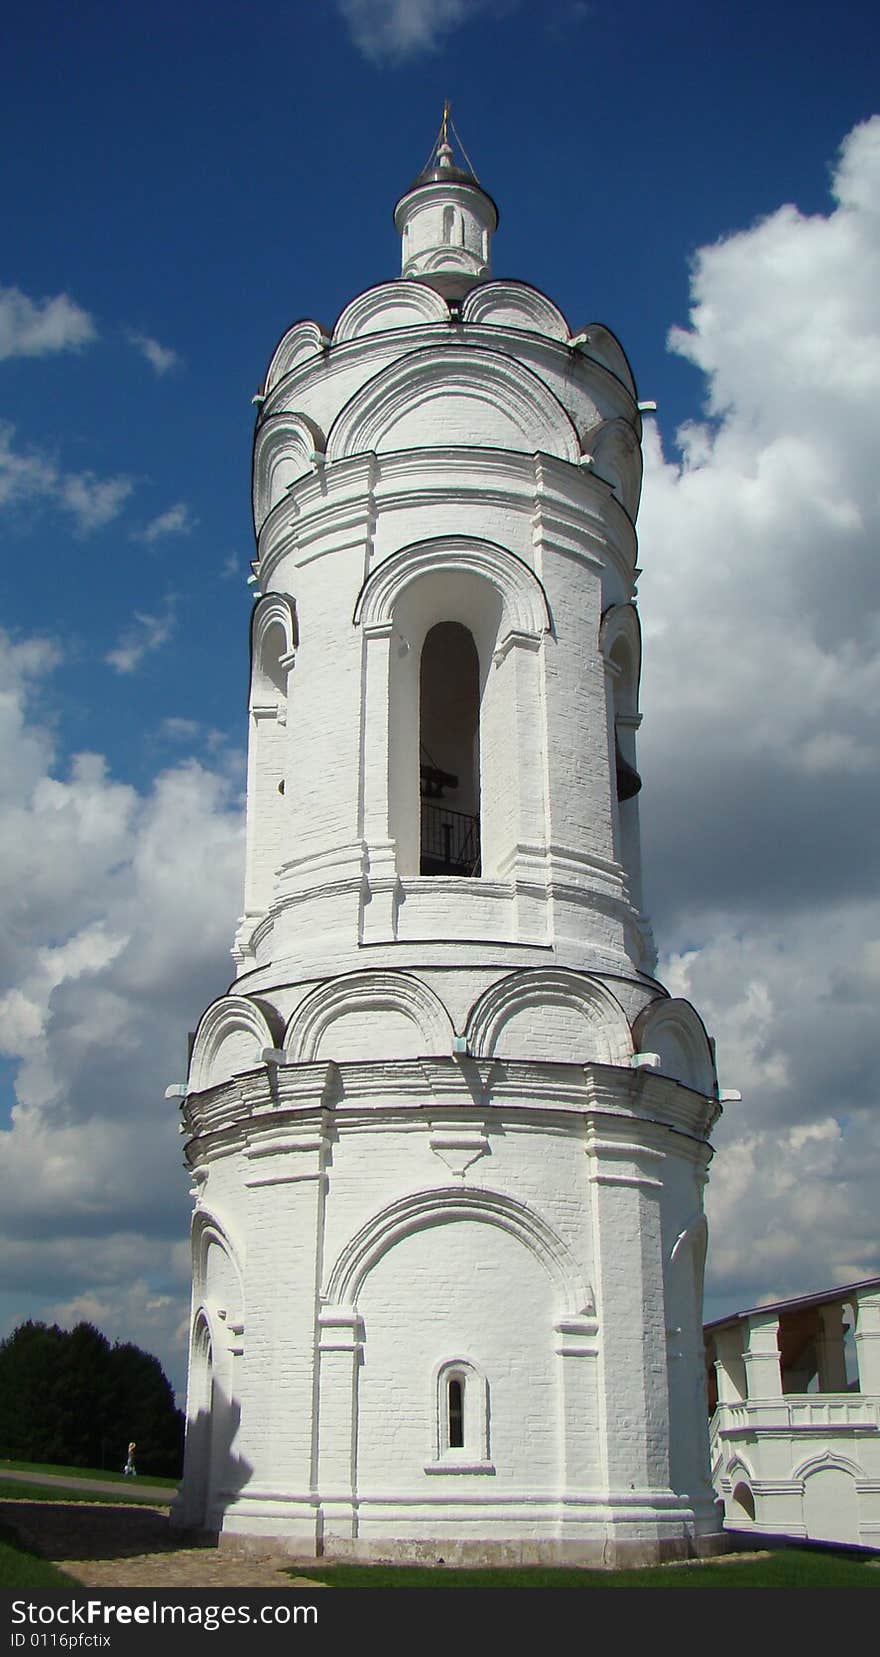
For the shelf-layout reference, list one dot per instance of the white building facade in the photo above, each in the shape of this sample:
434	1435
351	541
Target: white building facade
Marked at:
448	1135
795	1443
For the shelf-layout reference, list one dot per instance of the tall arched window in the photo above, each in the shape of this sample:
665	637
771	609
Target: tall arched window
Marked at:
460	1434
449	752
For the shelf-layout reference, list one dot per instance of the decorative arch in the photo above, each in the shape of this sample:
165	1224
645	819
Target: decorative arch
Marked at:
595	1017
824	1460
739	1468
514	305
617	457
207	1229
524	602
449	1203
302	341
274	611
390	305
673	1029
620	641
486	400
229	1040
287	447
366	995
605	348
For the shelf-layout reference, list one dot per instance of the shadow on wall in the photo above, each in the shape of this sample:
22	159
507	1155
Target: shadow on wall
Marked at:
213	1476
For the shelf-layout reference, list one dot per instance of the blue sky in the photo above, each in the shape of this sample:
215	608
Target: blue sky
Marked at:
182	183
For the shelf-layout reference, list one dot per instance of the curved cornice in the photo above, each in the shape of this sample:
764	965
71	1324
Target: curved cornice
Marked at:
422	1209
525	607
515	401
410	304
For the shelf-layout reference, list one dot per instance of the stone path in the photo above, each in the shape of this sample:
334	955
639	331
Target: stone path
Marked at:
103	1545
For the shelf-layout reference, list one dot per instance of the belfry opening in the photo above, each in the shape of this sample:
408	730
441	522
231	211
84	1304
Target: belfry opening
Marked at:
449	752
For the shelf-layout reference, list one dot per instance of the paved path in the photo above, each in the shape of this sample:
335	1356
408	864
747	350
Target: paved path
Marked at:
110	1487
104	1545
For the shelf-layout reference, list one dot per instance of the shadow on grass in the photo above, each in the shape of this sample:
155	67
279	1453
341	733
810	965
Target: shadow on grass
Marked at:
74	1530
21	1568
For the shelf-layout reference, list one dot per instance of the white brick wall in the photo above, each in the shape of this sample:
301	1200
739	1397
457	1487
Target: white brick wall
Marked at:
456	1161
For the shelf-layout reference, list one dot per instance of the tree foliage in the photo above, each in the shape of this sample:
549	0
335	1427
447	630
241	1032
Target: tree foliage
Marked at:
69	1396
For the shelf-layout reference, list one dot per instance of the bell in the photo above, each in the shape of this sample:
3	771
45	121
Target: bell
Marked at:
628	780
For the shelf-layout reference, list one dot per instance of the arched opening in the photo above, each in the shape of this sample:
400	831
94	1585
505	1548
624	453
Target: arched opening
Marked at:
627	782
448	224
449	752
742	1504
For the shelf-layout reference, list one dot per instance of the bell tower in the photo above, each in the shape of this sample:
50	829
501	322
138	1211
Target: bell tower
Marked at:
448	1134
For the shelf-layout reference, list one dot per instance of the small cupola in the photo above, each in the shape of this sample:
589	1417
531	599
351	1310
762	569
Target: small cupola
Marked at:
446	219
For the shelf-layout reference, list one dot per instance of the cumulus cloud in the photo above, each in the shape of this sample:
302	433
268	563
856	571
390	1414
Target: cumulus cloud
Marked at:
29	476
390	30
41	327
760	750
145	634
177	520
161	358
112	941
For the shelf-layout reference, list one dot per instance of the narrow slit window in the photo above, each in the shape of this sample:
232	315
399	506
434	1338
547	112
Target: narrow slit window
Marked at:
455	1400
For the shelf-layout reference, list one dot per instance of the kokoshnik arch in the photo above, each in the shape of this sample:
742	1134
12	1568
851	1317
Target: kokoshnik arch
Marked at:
448	1134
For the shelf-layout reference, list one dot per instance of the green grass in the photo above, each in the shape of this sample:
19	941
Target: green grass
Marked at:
107	1473
19	1568
19	1490
784	1568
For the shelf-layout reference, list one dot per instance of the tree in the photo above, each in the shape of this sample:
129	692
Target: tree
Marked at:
68	1396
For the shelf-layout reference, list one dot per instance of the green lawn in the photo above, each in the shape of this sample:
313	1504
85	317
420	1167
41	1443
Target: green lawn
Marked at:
21	1569
17	1490
784	1568
83	1472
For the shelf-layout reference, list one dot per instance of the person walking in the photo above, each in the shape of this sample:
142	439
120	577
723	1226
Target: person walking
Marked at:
129	1469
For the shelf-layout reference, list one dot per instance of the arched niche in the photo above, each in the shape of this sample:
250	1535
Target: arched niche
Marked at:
674	1030
617	457
390	305
217	1268
514	305
369	1015
287	447
301	342
274	639
448	396
229	1040
550	1014
492	594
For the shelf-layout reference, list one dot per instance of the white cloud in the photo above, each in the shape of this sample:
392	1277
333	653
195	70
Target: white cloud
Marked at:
145	634
760	750
40	327
161	358
396	29
177	520
112	940
29	476
93	502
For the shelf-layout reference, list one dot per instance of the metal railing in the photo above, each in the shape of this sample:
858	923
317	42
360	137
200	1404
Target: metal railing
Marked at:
450	842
